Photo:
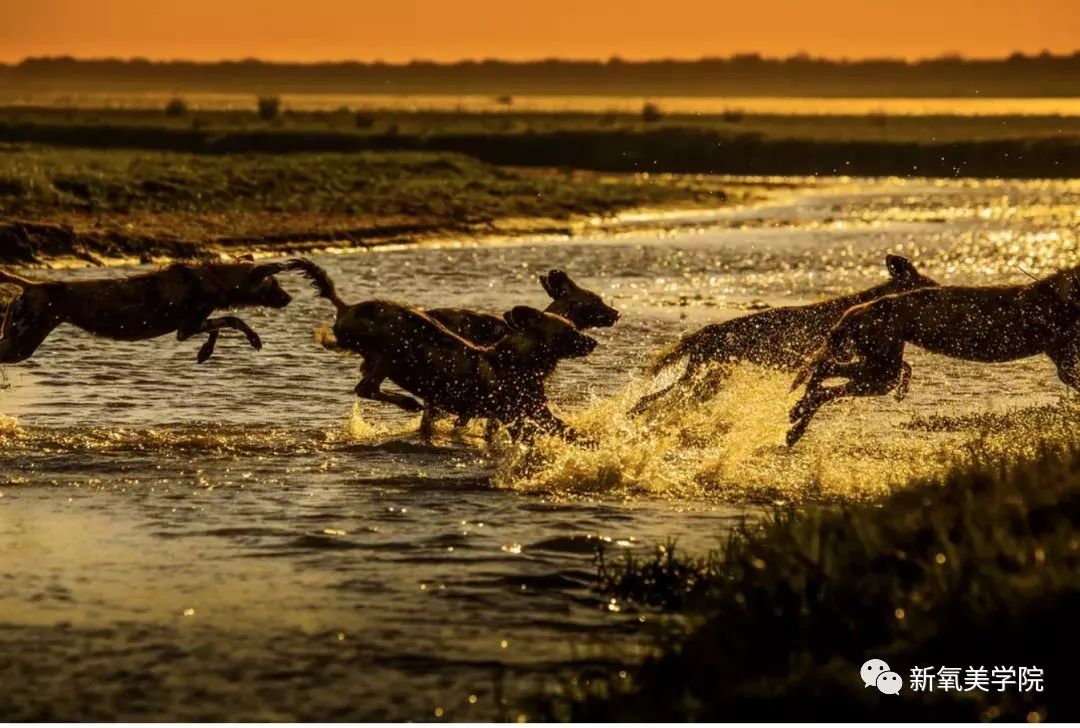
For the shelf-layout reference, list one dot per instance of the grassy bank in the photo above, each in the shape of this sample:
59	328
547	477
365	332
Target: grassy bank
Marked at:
979	569
730	143
122	202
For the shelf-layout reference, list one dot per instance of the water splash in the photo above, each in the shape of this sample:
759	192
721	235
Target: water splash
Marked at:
9	426
361	429
731	447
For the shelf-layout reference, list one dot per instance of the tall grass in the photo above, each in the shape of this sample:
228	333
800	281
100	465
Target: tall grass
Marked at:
981	568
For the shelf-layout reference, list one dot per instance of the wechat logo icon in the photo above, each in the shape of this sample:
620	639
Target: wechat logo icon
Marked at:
876	673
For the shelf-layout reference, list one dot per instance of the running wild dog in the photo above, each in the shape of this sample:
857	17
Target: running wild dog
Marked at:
983	324
503	382
178	298
578	305
778	338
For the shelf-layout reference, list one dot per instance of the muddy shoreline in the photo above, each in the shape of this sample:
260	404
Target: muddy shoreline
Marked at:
39	244
33	243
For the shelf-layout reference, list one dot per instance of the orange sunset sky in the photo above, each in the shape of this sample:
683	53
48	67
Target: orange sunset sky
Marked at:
400	30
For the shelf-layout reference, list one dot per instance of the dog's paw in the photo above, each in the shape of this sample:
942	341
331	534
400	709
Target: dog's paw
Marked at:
205	351
410	405
255	341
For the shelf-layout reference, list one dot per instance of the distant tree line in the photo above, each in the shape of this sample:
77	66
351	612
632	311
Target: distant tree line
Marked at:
740	75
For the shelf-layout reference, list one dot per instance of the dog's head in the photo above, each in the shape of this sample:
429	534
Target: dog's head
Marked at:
1066	285
578	305
254	284
551	337
903	275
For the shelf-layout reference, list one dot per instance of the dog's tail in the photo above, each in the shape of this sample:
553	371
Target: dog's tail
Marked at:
673	353
833	343
319	279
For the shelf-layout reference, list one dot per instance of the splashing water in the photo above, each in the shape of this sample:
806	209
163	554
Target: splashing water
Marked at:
731	447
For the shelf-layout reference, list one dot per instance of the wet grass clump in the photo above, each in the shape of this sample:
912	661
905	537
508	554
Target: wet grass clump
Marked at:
978	569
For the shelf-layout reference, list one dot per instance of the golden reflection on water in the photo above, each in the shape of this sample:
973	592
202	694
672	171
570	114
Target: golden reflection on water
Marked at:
781	105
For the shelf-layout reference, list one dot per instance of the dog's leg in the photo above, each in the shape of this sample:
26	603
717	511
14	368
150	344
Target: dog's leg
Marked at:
904	384
814	391
543	421
372	374
686	379
548	422
212	326
27	322
645	402
1066	358
706	386
207	349
869	378
428	421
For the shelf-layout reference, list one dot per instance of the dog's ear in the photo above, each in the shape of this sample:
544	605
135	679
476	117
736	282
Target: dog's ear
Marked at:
556	283
1065	286
900	268
520	317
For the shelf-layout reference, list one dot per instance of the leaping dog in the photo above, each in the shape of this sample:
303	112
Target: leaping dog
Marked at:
778	338
984	324
503	382
177	298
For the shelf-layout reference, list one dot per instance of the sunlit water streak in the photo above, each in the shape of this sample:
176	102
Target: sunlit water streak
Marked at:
580	103
239	539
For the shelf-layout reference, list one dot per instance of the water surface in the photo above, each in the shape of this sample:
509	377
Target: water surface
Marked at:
235	540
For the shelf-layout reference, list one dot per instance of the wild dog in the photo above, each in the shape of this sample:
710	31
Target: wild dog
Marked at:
982	324
177	298
778	338
578	305
503	382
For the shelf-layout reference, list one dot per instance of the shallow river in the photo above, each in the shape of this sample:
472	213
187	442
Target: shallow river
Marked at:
235	540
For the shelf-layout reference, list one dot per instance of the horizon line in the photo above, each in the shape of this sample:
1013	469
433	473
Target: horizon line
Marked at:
612	59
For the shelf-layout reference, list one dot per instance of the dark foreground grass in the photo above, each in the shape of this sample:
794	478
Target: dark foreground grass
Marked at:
979	569
124	200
